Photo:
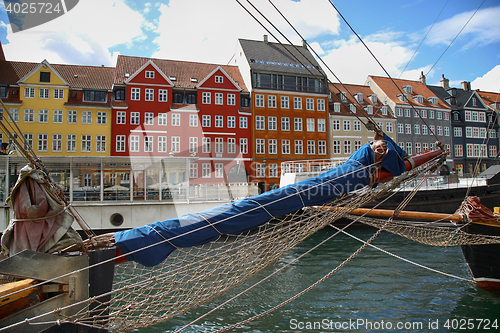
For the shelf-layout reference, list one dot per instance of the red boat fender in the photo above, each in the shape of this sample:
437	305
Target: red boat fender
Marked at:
382	176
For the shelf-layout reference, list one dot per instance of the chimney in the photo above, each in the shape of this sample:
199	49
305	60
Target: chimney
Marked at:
466	85
422	78
265	39
445	83
304	43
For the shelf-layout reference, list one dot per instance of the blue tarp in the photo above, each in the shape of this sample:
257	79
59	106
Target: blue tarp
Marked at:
148	246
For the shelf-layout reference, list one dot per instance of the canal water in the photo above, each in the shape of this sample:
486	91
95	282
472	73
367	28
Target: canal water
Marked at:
374	292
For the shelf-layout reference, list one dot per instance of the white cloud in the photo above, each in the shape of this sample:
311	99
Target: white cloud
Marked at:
81	36
489	81
186	32
482	29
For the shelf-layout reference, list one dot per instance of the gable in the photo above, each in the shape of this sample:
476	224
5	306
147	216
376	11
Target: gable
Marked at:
149	74
475	101
44	74
219	79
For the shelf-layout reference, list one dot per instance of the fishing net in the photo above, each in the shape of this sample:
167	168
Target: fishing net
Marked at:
146	296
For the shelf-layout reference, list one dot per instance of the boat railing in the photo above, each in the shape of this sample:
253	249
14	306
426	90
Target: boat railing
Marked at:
310	166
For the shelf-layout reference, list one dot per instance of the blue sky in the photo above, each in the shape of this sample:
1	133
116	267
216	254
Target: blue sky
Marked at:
95	32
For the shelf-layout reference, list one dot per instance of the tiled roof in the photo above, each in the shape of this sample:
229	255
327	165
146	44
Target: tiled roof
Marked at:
78	77
353	89
277	58
182	70
418	88
489	98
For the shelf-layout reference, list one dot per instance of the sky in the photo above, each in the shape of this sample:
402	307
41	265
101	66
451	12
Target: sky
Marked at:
459	39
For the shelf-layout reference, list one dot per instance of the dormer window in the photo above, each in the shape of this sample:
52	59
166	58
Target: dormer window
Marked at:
4	90
359	97
369	109
150	74
408	89
373	98
403	98
343	96
219	79
383	110
419	99
336	107
433	100
191	99
178	98
120	94
127	75
352	107
193	79
173	78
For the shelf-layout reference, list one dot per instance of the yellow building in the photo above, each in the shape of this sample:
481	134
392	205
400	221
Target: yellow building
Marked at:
62	110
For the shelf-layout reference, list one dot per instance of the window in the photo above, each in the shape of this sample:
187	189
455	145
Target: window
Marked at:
336	147
29	115
440	130
260	146
162	119
150	74
400	128
409	148
335	125
347	147
273	170
285	123
399	112
219	121
135	94
29	92
260	123
219	79
231	145
243	122
71	142
446	131
101	143
193	145
272	146
86	143
134	143
58	93
259	101
431	114
357	144
439	115
493	151
206	121
311	147
321	125
206	145
120	143
285	104
231	99
120	94
121	117
149	118
42	142
297	124
407	128
231	122
416	128
44	93
162	95
101	117
388	127
336	107
206	170
244	146
272	123
175	144
299	149
14	115
424	130
219	98
468	116
56	142
260	170
322	147
219	145
176	119
193	170
193	120
285	146
310	125
407	113
297	103
43	116
162	144
72	116
418	148
149	95
44	76
57	117
321	105
206	98
347	125
310	104
482	117
86	117
271	101
357	125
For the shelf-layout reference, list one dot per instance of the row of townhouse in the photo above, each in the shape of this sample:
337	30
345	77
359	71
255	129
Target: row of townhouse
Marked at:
240	122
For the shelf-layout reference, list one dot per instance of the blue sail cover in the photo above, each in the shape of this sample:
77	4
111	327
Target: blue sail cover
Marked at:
149	245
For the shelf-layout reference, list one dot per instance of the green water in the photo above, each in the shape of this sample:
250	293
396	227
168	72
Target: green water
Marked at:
373	293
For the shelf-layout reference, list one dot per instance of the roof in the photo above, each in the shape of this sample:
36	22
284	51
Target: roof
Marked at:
277	58
182	70
353	89
78	77
418	88
489	98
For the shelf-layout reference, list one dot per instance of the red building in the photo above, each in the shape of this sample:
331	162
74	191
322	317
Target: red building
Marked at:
195	114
